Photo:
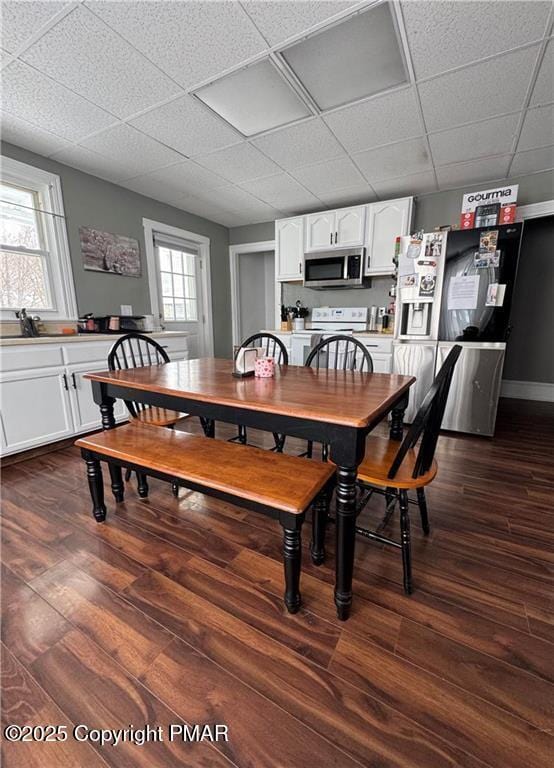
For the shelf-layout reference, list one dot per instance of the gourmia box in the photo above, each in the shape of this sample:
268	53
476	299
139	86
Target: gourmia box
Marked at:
489	207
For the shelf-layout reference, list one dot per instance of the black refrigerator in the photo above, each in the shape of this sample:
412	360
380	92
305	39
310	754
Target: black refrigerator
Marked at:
478	285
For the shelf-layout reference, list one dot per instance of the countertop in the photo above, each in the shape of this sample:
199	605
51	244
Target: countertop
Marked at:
78	337
372	334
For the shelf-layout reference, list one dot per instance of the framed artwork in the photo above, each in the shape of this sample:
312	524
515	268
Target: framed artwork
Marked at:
113	254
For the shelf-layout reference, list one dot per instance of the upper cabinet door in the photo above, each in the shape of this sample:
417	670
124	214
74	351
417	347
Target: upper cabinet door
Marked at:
350	226
289	248
386	221
320	231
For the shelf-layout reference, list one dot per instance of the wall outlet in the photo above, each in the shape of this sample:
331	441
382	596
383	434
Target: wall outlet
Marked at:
126	309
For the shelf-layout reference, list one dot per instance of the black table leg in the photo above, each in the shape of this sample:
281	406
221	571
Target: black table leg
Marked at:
292	555
397	418
208	425
96	486
117	482
346	535
320	513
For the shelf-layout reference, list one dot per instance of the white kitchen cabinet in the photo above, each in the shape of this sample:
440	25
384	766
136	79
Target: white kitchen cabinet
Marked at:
45	396
36	408
335	229
350	226
320	231
386	221
289	248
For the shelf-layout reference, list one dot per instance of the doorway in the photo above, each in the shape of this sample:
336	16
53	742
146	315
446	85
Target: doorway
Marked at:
253	288
179	281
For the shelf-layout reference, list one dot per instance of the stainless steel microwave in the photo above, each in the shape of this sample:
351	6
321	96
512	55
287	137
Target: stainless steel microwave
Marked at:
334	269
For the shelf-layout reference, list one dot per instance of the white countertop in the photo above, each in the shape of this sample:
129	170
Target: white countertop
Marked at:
77	337
375	334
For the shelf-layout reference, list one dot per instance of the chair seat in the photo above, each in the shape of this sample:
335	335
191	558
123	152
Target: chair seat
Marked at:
379	455
157	417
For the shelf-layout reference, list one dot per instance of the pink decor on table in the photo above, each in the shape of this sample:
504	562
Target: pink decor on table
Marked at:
264	367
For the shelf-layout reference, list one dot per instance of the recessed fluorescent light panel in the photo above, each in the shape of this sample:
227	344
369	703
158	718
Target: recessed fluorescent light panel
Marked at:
350	60
254	99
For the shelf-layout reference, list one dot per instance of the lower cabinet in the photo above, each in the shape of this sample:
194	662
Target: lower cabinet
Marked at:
41	405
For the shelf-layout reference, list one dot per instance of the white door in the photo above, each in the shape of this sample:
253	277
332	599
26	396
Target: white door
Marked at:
86	413
35	408
320	231
289	248
386	221
178	269
350	226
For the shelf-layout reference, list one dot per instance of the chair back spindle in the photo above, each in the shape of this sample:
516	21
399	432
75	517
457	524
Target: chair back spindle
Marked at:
341	352
134	350
270	344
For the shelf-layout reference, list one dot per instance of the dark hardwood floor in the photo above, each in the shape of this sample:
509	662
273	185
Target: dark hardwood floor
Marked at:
172	612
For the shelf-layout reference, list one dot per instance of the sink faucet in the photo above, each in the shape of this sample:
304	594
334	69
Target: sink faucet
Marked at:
27	324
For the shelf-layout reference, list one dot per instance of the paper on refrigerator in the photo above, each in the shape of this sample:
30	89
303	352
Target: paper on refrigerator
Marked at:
463	292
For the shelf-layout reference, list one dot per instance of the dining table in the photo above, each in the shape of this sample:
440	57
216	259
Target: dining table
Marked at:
334	407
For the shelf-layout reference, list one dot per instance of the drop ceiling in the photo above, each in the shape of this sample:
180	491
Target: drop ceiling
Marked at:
122	90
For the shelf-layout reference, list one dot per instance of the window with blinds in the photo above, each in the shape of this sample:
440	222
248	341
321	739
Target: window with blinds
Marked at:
177	265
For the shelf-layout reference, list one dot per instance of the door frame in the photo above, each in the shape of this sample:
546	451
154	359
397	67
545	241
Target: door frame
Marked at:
234	252
206	332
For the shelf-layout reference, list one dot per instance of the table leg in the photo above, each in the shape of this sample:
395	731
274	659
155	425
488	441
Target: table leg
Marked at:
346	537
117	481
397	419
208	425
320	513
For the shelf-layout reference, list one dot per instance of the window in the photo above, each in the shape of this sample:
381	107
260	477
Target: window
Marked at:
177	264
35	268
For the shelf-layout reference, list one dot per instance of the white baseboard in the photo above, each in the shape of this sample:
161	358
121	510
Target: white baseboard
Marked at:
528	390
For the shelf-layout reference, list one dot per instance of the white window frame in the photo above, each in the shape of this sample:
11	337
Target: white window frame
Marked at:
60	272
201	242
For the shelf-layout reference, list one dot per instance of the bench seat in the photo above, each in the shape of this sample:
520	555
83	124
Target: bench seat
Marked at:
274	484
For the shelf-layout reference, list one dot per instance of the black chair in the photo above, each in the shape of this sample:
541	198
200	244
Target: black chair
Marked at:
338	352
272	347
392	469
135	350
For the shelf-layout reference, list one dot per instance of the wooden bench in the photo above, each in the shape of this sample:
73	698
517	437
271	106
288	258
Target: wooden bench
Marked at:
277	485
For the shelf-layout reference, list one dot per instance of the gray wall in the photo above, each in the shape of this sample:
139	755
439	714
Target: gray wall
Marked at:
530	351
252	233
102	205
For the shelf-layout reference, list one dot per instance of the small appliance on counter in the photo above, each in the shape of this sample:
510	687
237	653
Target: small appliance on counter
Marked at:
91	323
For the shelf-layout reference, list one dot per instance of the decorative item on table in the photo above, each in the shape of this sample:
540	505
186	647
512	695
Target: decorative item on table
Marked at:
299	314
245	362
114	254
264	367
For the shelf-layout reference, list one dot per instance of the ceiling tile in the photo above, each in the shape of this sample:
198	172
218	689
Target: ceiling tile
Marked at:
5	58
156	190
138	153
90	162
187	177
378	121
451	33
532	161
278	20
241	162
281	191
33	97
538	128
486	169
28	136
188	126
482	90
414	184
490	137
21	20
357	193
208	209
543	92
191	41
407	157
87	56
302	144
323	178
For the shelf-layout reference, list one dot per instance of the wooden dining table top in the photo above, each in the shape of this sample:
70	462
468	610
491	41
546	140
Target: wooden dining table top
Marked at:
348	398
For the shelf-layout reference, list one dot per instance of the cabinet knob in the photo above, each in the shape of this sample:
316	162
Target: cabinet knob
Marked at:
300	267
74	380
331	239
64	379
335	238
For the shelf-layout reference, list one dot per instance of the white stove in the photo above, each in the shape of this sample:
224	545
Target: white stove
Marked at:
327	321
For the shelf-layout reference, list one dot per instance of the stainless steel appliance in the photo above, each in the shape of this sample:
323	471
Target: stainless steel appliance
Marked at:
326	321
334	269
475	311
417	359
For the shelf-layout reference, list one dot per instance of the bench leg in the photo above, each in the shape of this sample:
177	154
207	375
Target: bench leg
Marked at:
96	486
142	485
320	513
208	425
293	557
117	482
175	488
